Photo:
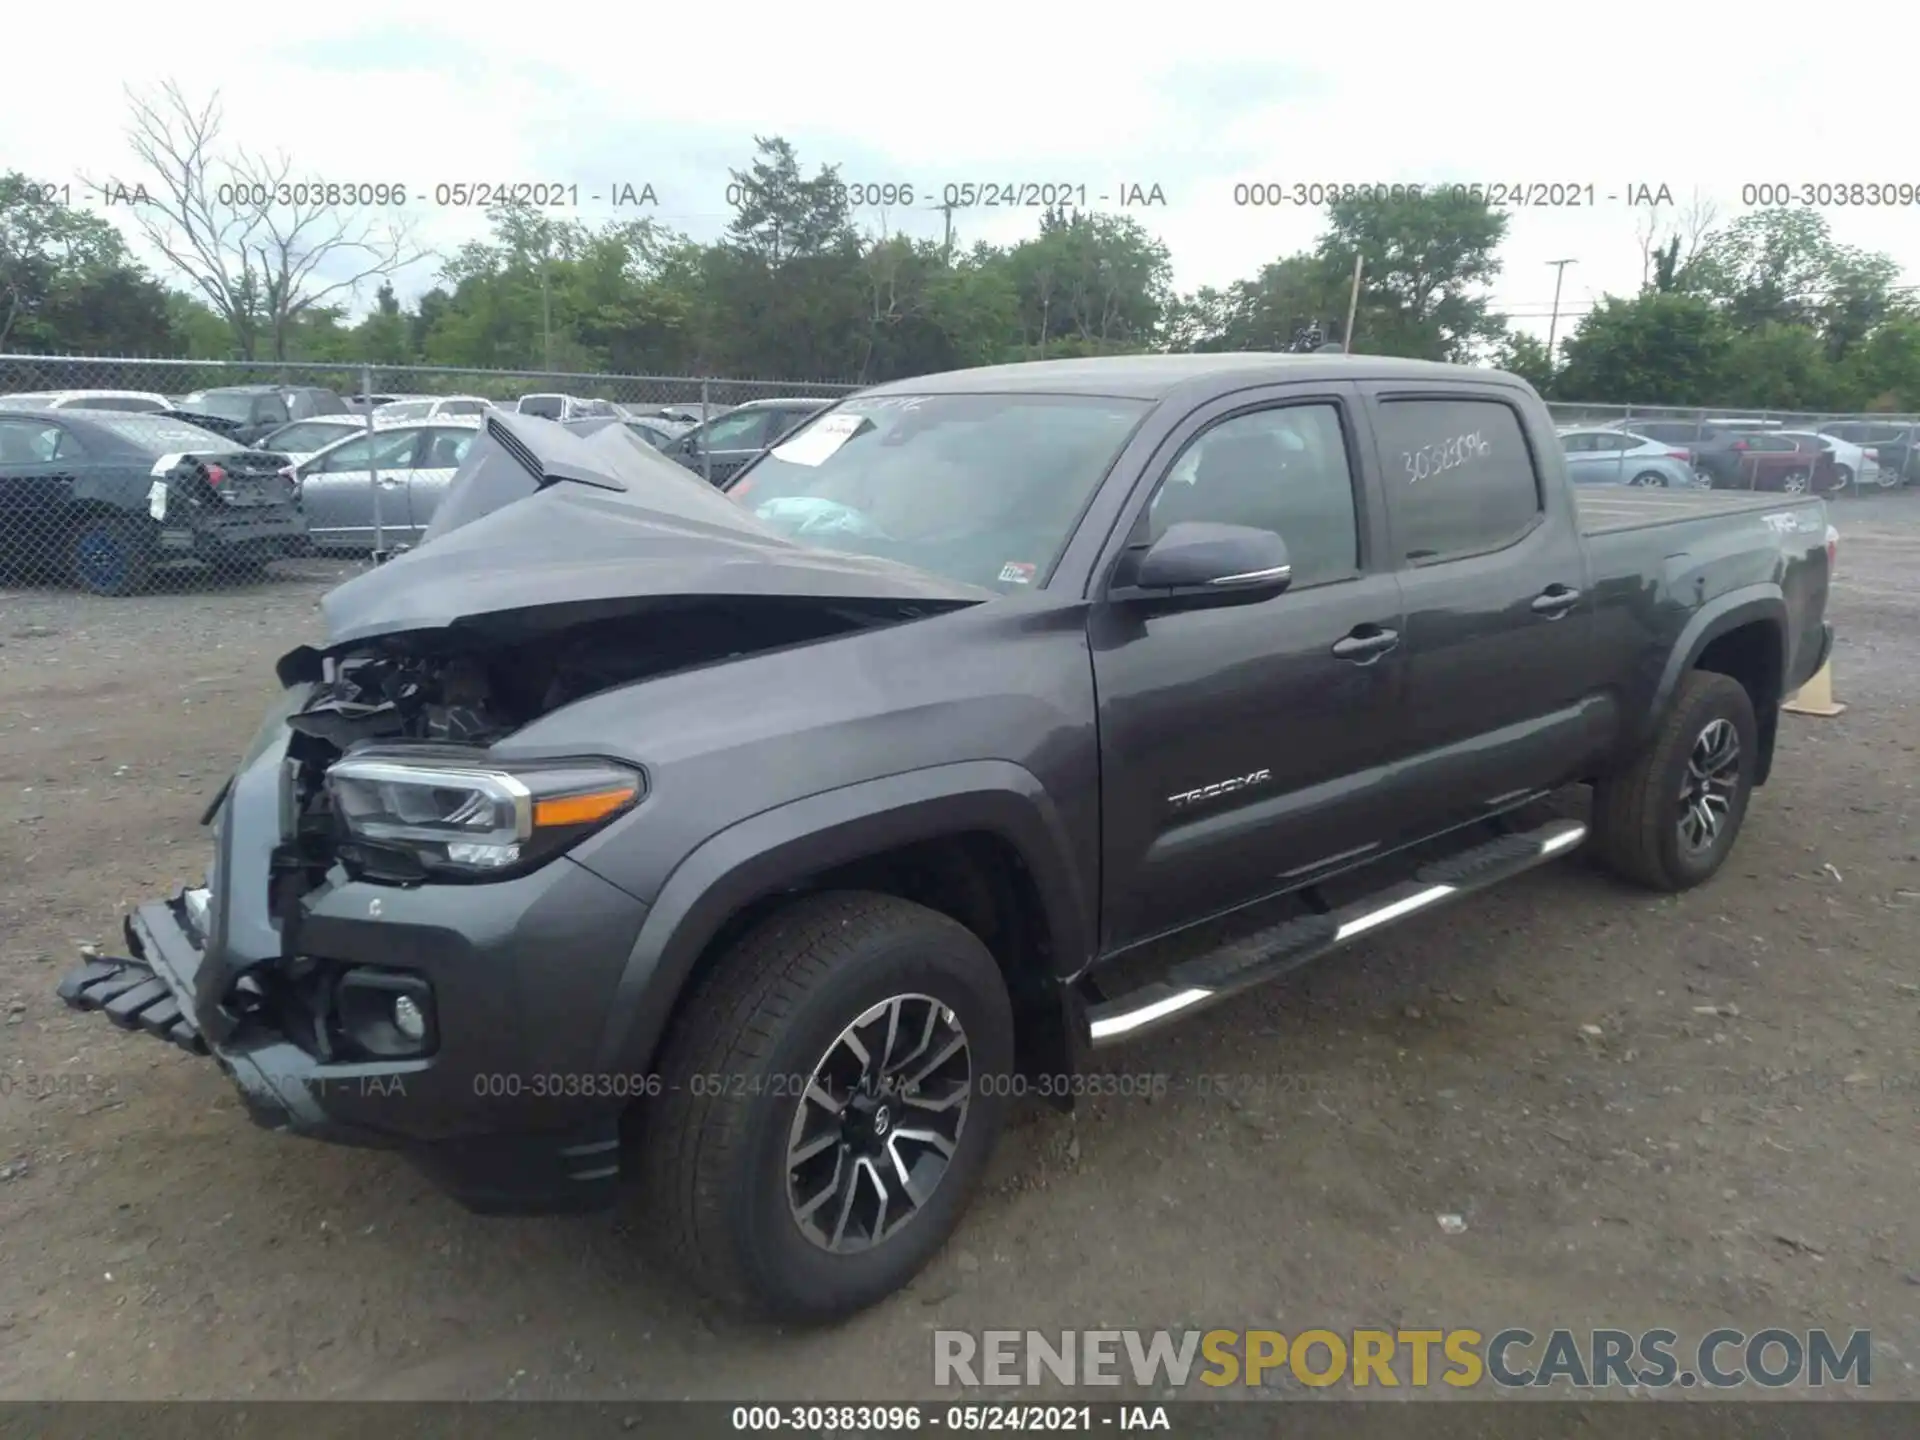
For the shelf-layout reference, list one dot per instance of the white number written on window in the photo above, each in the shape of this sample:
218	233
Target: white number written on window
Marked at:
1443	455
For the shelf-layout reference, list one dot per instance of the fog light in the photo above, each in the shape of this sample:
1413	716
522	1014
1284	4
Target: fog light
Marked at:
408	1018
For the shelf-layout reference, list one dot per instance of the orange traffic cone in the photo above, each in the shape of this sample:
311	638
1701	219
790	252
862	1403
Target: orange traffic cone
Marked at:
1816	696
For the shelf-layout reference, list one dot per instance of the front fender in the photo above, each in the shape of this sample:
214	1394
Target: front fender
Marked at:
1724	613
777	848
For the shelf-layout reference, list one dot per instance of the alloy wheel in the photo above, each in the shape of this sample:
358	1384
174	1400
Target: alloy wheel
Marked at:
1795	483
1712	780
879	1123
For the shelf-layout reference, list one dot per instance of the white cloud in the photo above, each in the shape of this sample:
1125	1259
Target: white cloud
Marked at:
1193	99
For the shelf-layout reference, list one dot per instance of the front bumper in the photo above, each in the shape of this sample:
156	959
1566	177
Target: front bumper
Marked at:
504	1111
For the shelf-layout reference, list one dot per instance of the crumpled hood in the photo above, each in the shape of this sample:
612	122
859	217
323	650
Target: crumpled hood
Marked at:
540	516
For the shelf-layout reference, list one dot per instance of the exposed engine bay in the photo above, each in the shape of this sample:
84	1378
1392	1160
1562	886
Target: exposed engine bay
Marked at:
472	686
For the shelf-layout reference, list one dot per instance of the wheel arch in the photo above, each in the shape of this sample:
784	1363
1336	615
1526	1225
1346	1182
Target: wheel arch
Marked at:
1742	634
986	829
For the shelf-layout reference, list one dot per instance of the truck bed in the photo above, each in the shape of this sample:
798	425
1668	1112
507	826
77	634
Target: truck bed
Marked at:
1604	510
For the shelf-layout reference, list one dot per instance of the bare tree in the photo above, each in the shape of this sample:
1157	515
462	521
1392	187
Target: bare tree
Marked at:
262	243
1686	235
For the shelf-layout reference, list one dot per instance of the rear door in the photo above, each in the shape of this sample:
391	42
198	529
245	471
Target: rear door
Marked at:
338	490
1247	747
1494	577
443	447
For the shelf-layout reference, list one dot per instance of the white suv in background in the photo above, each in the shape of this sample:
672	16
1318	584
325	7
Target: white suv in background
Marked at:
433	407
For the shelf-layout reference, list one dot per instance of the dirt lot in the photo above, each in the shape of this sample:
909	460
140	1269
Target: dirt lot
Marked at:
1686	1168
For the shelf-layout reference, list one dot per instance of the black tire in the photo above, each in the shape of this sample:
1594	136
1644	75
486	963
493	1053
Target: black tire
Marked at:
714	1147
1638	815
1842	480
1649	480
110	554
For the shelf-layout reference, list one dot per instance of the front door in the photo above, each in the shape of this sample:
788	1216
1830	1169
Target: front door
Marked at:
1243	746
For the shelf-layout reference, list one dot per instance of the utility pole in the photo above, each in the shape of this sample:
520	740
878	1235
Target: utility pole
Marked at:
1553	325
546	318
1353	306
946	244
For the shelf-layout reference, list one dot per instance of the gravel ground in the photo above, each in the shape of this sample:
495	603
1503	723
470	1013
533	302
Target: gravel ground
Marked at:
1688	1112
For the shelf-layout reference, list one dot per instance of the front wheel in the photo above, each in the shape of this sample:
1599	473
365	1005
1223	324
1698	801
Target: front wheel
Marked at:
1669	820
1796	482
830	1099
1648	480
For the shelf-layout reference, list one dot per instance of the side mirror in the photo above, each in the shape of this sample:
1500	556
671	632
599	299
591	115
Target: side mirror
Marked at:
1197	559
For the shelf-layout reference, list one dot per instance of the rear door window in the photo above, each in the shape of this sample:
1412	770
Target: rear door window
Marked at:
1460	477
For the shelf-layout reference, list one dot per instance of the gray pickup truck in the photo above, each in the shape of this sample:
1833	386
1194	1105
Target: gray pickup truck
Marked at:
765	842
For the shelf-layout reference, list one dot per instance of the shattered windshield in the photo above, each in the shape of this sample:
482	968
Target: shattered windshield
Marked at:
984	489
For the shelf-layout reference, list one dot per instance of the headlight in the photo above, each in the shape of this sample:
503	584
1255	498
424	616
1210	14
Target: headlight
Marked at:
412	815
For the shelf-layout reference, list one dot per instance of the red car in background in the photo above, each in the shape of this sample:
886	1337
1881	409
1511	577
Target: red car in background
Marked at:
1791	464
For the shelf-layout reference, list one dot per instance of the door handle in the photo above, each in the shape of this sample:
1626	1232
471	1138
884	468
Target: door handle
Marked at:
1365	645
393	483
1555	601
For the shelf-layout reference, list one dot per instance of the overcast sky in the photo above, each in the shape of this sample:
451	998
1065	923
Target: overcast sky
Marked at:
1194	99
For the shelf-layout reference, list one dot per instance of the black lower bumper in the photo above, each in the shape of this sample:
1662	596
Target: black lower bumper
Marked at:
130	994
564	1162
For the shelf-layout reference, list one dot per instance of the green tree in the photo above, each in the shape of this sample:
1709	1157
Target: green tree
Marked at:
1425	258
1654	349
1526	356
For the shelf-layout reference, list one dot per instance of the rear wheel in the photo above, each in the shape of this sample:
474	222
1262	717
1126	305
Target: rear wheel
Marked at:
1842	478
830	1100
111	554
1669	820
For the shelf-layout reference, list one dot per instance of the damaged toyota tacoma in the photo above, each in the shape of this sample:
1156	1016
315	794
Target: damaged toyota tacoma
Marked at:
762	844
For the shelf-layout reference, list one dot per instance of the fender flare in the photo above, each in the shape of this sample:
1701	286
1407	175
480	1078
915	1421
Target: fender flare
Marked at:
1717	617
768	851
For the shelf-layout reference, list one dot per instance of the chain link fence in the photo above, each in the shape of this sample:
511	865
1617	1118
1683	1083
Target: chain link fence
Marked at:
121	477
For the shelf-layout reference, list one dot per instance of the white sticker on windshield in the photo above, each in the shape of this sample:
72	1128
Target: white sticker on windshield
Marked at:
819	441
157	499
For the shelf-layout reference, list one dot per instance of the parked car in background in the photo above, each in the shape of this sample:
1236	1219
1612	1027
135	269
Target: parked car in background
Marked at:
1896	442
1772	460
360	404
299	439
685	414
551	406
104	499
428	407
655	430
1606	456
377	492
1851	464
1710	447
723	447
249	412
134	400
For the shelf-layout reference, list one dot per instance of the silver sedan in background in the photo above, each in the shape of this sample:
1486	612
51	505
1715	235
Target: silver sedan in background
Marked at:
1598	456
378	491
